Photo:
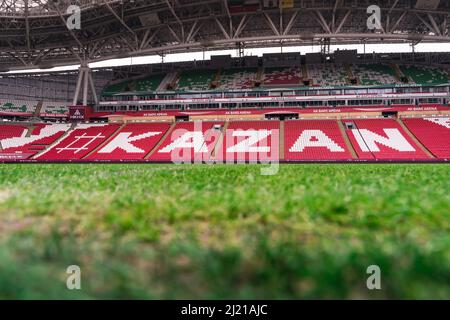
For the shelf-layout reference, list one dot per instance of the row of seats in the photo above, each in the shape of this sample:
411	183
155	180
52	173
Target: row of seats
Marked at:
54	109
370	139
314	140
282	76
319	75
425	75
434	133
327	75
374	74
28	108
382	139
18	107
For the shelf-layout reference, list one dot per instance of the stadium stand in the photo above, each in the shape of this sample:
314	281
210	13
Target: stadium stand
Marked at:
196	80
234	141
188	141
147	84
17	107
250	141
425	75
282	76
374	74
314	140
133	142
55	109
79	142
10	131
433	133
41	136
327	74
238	78
382	139
116	88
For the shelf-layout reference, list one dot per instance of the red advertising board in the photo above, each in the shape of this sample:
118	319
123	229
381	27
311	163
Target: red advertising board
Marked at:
268	111
79	113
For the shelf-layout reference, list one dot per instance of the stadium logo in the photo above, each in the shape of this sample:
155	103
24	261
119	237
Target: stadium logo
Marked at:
73	281
374	20
74	20
77	114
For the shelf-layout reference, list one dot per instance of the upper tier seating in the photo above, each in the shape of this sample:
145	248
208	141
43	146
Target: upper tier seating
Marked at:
79	142
314	140
382	139
55	109
188	142
149	83
327	74
133	142
433	133
238	78
282	76
196	80
374	74
146	84
425	75
250	141
116	88
18	106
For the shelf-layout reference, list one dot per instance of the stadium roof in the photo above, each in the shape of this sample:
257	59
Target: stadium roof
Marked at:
34	32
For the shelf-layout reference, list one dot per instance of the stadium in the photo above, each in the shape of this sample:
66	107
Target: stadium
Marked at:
236	175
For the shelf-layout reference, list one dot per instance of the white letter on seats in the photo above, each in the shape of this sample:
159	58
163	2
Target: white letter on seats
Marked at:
247	145
122	141
395	140
193	139
304	141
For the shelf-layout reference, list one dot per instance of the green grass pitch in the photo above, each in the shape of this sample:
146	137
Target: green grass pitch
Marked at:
202	231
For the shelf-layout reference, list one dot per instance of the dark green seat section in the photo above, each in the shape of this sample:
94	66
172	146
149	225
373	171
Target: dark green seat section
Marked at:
375	74
17	106
425	75
196	80
146	84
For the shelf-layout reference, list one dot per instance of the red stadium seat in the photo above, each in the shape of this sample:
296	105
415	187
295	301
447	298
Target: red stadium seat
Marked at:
132	142
383	139
79	142
250	141
42	136
433	133
314	140
188	142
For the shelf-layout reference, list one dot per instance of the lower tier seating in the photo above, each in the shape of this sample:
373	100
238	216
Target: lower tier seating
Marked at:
17	141
382	139
188	142
79	142
433	133
133	142
236	141
314	140
251	141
